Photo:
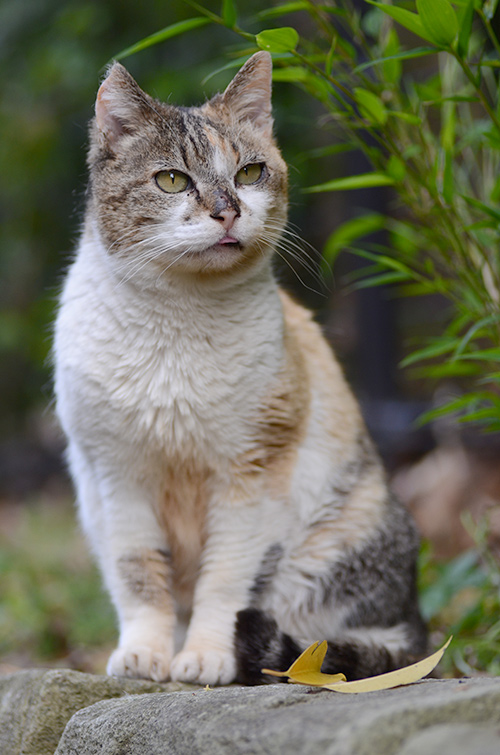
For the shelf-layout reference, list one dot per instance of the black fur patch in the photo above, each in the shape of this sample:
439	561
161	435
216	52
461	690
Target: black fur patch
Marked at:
259	644
267	571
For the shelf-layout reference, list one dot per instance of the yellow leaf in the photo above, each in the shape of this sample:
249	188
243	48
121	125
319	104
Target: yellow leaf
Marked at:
316	678
310	660
406	675
307	670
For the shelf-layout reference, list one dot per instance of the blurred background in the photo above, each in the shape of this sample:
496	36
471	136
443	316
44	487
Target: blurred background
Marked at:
52	56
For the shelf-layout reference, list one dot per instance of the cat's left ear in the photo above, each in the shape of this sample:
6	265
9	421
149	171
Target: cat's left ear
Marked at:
249	93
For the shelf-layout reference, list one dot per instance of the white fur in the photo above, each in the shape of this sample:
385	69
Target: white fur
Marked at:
150	377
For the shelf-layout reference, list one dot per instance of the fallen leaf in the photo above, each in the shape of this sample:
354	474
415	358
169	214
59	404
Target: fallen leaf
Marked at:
307	670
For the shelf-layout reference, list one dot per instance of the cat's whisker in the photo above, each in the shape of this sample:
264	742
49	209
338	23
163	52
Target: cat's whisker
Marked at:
285	252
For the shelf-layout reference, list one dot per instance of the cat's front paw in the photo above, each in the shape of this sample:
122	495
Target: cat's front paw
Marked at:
203	666
140	662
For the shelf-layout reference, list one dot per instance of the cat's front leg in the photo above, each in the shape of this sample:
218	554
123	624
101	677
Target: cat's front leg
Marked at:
118	516
239	534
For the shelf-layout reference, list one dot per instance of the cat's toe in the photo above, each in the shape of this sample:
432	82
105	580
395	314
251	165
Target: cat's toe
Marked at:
140	662
204	667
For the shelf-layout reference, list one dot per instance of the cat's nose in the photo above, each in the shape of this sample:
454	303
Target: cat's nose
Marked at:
227	218
224	208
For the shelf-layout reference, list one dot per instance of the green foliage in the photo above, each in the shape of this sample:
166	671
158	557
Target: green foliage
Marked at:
51	599
433	135
462	597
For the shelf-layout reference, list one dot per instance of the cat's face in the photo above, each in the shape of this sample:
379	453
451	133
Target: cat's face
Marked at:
187	190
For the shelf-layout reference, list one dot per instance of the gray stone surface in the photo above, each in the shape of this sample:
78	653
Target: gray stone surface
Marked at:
455	739
69	713
287	719
36	705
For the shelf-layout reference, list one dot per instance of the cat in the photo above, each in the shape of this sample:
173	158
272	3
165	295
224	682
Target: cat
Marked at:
221	464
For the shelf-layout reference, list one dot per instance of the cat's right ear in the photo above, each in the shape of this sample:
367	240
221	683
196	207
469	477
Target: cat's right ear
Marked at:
121	104
249	93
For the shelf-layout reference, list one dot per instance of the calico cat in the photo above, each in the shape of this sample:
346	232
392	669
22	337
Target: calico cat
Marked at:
221	463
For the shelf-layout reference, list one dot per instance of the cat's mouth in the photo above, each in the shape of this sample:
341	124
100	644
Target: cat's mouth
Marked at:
228	241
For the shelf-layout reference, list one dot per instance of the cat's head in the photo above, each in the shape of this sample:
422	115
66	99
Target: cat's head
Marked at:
176	190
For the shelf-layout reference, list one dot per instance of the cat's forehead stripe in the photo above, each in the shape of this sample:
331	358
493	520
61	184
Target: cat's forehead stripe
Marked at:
206	141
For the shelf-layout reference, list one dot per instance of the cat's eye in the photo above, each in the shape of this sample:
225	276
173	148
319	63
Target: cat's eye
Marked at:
172	181
249	174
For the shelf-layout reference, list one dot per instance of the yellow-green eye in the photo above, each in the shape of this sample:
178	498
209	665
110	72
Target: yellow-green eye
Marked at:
172	181
250	174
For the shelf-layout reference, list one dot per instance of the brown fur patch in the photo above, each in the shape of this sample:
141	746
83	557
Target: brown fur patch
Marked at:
282	419
148	576
183	516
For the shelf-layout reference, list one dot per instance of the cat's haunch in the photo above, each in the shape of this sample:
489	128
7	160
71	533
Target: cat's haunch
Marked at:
220	460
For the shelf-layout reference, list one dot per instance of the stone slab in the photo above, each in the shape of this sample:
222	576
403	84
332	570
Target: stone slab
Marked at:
288	719
35	705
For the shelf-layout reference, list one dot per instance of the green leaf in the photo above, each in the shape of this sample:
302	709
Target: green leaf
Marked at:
160	36
436	349
396	168
283	10
448	183
410	21
491	211
417	52
228	13
383	279
415	120
371	106
361	181
392	67
474	332
465	18
439	21
291	73
284	39
350	231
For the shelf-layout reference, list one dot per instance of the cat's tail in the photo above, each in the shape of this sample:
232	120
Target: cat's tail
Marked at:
259	644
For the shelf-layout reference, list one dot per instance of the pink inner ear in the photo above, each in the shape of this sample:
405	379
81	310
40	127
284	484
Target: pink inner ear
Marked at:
249	93
107	120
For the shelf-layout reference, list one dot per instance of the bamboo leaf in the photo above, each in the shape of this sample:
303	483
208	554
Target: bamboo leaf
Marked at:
371	106
291	73
361	181
417	52
383	279
170	31
465	18
473	330
284	39
441	347
350	231
406	18
283	10
228	13
439	21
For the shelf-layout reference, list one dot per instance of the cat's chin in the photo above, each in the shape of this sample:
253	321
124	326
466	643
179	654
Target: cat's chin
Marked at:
220	259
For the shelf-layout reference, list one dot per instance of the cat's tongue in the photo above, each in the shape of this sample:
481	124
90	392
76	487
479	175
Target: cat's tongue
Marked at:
228	240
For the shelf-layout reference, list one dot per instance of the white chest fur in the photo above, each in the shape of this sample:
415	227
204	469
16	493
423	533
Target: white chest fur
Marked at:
180	367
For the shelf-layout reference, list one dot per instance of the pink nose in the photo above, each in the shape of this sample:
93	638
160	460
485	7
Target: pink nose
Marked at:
227	217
